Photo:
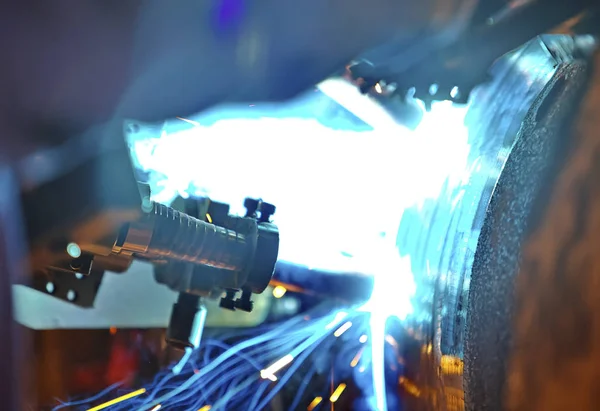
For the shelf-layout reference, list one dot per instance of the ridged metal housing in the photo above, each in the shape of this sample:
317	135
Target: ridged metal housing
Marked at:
167	234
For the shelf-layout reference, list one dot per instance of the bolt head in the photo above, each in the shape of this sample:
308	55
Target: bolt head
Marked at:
267	208
244	305
227	304
251	203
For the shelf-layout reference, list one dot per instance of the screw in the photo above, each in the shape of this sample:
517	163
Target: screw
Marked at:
228	302
266	211
245	303
251	206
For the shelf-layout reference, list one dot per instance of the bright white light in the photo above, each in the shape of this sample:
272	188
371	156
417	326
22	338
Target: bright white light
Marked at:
393	285
339	194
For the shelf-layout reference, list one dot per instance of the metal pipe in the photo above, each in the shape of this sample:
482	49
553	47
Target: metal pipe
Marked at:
166	233
464	283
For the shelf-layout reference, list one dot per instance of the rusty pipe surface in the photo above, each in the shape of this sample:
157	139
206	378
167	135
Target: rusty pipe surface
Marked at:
554	363
512	309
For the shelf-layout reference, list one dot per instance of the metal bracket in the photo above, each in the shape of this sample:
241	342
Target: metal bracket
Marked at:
74	288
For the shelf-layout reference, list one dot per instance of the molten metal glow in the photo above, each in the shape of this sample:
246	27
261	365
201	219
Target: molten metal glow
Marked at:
338	391
366	179
314	403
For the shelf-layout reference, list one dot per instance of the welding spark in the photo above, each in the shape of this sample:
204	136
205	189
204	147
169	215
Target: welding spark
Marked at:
436	152
269	372
338	391
197	385
314	403
187	120
342	329
118	400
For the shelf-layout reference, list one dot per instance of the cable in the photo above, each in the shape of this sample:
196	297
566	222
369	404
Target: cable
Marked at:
303	356
298	397
88	400
218	361
299	349
229	374
259	393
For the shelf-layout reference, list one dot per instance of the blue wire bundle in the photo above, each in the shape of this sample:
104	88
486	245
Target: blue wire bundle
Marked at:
228	377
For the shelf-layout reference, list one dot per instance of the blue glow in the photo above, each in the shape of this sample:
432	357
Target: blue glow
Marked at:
340	191
230	377
229	13
351	186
